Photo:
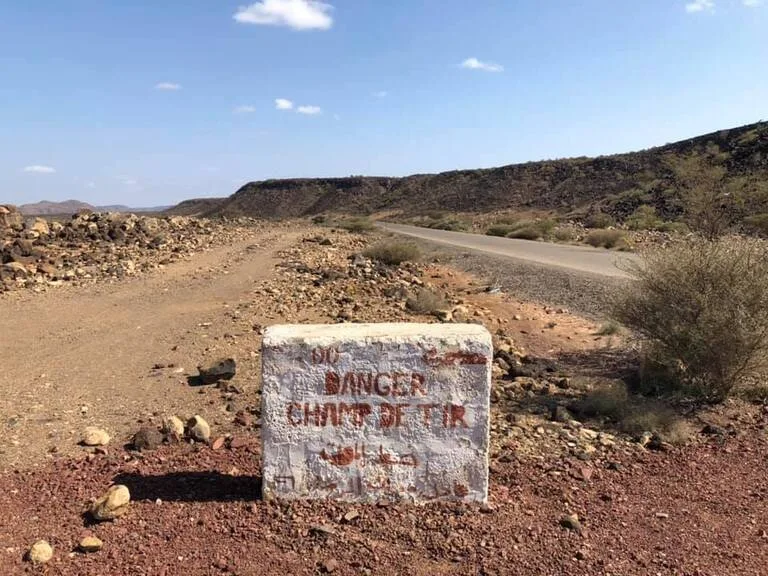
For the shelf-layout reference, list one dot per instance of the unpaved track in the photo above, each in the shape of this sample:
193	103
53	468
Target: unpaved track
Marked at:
578	258
95	347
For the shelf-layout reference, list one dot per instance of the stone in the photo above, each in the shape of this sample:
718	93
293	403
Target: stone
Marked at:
198	429
173	427
224	369
146	439
90	544
571	522
40	552
111	505
40	225
371	412
93	436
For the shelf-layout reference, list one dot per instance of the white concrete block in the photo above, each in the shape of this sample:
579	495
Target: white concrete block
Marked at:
363	412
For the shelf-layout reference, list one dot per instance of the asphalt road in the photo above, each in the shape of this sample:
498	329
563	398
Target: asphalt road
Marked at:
576	258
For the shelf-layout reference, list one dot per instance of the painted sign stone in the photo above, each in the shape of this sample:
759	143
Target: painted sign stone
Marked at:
364	412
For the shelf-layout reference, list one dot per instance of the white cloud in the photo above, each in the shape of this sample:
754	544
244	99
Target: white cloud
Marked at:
90	184
752	3
475	64
296	14
245	109
381	94
37	169
167	86
309	110
283	104
700	6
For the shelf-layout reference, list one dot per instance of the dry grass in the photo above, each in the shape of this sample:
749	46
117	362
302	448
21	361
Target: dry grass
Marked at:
610	402
357	225
393	253
701	310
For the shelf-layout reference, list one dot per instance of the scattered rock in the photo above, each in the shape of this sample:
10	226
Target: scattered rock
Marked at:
198	429
330	565
93	436
111	505
173	427
147	438
40	552
90	544
224	369
218	444
351	516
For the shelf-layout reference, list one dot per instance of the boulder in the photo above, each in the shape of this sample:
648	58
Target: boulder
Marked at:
10	217
111	505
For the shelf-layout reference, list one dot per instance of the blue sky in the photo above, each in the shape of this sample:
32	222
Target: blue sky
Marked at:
148	102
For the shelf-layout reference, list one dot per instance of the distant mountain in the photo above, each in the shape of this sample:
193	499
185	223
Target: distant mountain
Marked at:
616	184
46	208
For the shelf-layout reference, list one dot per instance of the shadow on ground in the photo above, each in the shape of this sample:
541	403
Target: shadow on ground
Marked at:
206	486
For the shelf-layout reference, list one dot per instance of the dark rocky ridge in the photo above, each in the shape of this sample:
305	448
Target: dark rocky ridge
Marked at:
562	185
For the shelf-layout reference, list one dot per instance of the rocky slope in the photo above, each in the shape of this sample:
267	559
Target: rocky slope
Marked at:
616	183
36	253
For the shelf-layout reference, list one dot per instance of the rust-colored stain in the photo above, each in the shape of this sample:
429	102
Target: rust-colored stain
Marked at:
345	457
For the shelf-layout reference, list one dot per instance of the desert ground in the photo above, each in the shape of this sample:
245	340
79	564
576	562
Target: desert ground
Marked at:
569	494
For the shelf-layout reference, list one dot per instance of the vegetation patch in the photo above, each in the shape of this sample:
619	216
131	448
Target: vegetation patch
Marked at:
701	310
425	301
393	253
606	238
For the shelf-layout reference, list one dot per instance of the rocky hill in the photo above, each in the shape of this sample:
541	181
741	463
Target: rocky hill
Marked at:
617	184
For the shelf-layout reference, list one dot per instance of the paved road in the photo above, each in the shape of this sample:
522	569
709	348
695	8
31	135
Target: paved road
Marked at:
579	258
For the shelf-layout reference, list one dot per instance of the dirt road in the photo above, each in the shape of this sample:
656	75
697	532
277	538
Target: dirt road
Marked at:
74	358
578	258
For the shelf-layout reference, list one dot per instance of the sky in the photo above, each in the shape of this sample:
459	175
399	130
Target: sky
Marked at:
147	103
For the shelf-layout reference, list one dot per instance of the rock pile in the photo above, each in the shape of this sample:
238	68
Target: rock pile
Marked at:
35	253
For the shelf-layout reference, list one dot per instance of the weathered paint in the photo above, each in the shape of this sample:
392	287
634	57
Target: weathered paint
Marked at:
361	412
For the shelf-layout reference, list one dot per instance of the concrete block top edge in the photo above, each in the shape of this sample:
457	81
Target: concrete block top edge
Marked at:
280	333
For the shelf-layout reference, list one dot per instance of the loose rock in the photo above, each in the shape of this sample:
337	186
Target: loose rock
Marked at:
224	369
198	429
93	436
40	552
147	439
90	544
173	428
113	504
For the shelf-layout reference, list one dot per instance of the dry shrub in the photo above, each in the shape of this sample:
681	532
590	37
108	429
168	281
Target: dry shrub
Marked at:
393	253
532	229
701	308
599	220
499	230
605	238
563	234
632	414
357	225
425	302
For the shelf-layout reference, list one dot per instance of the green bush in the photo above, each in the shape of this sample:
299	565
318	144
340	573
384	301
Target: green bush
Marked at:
532	229
450	224
393	253
644	218
599	220
319	219
701	310
605	238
